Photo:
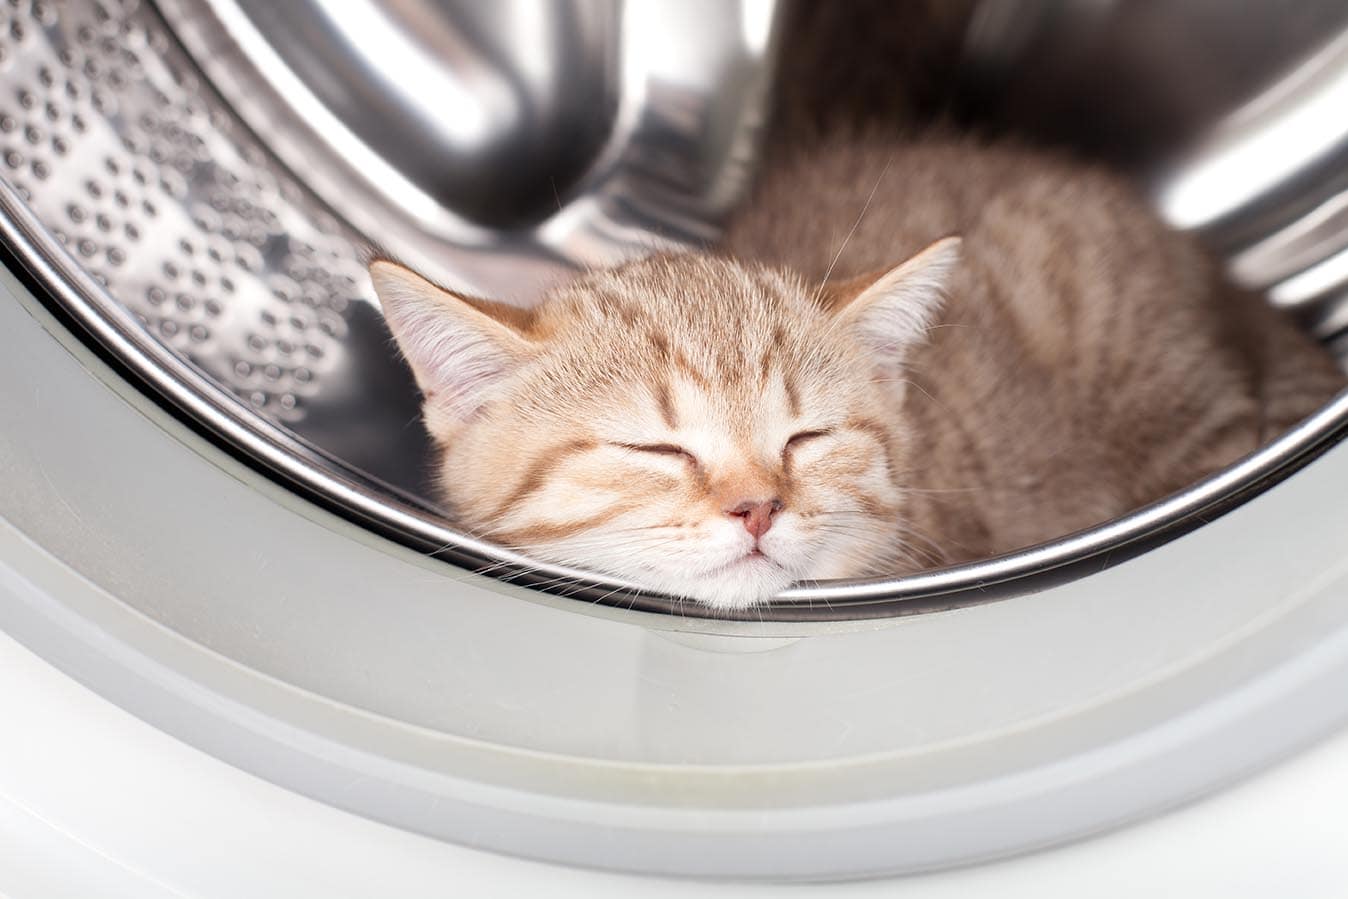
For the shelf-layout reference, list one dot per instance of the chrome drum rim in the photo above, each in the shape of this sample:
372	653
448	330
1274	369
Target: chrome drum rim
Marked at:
56	274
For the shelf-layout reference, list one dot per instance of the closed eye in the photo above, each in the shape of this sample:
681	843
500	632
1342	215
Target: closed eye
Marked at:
805	436
659	449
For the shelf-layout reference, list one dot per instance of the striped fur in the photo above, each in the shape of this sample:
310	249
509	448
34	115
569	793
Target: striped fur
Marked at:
1085	361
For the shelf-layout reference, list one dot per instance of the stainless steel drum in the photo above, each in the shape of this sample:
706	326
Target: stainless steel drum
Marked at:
193	182
213	510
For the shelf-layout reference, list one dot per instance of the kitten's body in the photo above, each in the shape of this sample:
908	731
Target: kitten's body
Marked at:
1087	360
803	409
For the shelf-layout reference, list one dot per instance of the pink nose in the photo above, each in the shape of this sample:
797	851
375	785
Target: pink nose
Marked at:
757	515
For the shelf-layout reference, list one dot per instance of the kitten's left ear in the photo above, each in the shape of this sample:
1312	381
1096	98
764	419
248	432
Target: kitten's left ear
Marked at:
461	349
892	313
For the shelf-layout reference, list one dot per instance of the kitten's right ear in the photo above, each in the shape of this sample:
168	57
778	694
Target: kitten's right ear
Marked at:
890	314
459	352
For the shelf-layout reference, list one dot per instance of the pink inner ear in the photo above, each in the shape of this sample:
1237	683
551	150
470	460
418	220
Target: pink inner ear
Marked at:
894	313
458	351
456	363
465	369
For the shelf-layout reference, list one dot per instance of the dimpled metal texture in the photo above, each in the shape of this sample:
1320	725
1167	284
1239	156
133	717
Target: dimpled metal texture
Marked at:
114	141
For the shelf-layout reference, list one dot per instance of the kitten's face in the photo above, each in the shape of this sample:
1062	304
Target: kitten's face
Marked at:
698	427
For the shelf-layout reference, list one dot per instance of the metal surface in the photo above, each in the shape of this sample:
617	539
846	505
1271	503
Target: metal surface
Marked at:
490	112
143	206
496	146
211	252
1232	119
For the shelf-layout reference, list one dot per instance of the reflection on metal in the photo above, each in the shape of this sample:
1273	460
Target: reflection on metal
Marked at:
1269	183
495	145
1233	119
457	110
145	206
1254	155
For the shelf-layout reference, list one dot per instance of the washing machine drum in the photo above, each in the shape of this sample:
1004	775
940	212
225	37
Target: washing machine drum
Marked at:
216	511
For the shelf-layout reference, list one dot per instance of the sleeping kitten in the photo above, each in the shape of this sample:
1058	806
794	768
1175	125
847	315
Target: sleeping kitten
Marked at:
899	357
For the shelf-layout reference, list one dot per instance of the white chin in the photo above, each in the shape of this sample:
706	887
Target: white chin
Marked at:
739	586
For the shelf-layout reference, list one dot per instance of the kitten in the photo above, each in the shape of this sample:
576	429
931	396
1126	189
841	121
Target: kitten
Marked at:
1001	348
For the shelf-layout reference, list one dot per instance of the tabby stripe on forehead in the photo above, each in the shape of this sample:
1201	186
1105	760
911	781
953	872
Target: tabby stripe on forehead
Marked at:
659	345
792	393
664	399
537	474
615	305
686	367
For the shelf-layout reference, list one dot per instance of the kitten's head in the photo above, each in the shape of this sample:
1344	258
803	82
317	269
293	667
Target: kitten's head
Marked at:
700	427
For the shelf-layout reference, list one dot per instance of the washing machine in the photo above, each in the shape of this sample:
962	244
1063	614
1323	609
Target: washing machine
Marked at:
242	653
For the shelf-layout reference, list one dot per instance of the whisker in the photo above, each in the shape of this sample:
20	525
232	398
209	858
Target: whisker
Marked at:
907	489
911	383
867	205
